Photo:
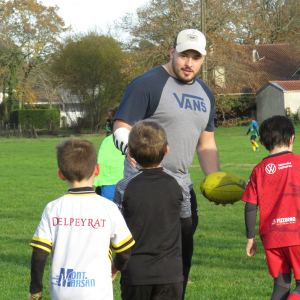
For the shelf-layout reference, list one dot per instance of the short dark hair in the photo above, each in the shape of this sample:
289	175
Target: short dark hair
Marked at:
76	159
148	143
276	131
110	117
175	43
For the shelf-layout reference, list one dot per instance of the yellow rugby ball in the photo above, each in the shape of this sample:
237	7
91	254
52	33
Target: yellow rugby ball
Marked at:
223	187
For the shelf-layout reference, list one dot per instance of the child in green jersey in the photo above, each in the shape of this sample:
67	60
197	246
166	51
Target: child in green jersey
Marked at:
111	161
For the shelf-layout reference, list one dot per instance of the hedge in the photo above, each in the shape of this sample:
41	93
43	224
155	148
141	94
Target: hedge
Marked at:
39	118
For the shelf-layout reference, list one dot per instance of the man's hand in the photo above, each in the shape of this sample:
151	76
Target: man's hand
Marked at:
251	247
121	139
245	136
114	271
121	133
224	204
207	153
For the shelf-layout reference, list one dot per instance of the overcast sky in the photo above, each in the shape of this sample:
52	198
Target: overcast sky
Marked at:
85	14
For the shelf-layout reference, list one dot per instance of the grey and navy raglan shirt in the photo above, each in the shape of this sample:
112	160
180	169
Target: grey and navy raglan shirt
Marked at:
183	110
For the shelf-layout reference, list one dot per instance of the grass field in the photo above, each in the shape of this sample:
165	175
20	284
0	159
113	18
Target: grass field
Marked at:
221	270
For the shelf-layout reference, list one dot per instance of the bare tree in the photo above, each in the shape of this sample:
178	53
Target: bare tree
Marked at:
268	21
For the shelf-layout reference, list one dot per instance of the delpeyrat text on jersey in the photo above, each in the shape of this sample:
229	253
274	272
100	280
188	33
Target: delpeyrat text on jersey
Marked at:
78	222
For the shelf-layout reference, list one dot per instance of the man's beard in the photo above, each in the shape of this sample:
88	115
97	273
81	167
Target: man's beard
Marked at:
179	76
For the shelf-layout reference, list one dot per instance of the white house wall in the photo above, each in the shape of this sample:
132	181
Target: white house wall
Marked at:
270	102
1	97
292	100
71	117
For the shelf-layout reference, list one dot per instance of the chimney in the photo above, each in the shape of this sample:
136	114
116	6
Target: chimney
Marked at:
219	76
255	56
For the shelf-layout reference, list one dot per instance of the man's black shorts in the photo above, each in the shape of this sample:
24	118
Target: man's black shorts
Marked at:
253	137
152	292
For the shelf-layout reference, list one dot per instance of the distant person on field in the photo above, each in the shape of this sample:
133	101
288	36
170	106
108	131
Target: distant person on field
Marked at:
78	229
253	130
274	186
156	207
111	161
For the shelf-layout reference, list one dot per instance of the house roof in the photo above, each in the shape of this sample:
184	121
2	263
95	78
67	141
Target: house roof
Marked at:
279	61
293	85
289	85
273	62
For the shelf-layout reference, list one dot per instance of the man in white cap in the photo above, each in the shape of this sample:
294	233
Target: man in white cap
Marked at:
184	105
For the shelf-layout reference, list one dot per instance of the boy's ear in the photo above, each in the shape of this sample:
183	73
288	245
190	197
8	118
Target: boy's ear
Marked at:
292	139
97	170
167	150
61	176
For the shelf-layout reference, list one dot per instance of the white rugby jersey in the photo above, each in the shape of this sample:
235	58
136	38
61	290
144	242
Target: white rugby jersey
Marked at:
78	229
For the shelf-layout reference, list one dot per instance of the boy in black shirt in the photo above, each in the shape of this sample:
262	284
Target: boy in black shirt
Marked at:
156	207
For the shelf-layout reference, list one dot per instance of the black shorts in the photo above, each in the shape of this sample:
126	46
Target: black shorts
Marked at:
253	137
170	291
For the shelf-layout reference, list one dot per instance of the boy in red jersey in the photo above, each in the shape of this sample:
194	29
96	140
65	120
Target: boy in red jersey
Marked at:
274	186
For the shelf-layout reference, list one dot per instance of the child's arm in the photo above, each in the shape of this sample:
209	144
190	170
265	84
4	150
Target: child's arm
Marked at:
251	247
114	271
38	262
250	220
186	225
35	296
119	262
118	197
247	132
121	242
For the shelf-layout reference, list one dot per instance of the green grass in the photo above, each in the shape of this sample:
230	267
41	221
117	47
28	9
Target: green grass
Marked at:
221	270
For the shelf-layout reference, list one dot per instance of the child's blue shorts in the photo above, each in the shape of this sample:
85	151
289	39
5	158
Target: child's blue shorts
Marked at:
108	191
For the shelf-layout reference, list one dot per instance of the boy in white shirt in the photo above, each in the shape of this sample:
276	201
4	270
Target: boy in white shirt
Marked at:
78	229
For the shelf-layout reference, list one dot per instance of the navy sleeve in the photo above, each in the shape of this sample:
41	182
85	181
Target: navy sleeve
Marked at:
142	96
211	121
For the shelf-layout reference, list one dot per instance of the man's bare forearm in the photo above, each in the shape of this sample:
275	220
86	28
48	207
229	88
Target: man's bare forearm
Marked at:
121	123
207	153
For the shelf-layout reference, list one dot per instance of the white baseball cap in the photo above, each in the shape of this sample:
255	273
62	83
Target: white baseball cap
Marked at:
191	39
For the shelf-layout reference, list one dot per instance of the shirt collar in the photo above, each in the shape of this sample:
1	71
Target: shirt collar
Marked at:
81	190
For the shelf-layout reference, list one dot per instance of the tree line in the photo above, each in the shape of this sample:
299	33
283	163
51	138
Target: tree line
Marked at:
39	55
